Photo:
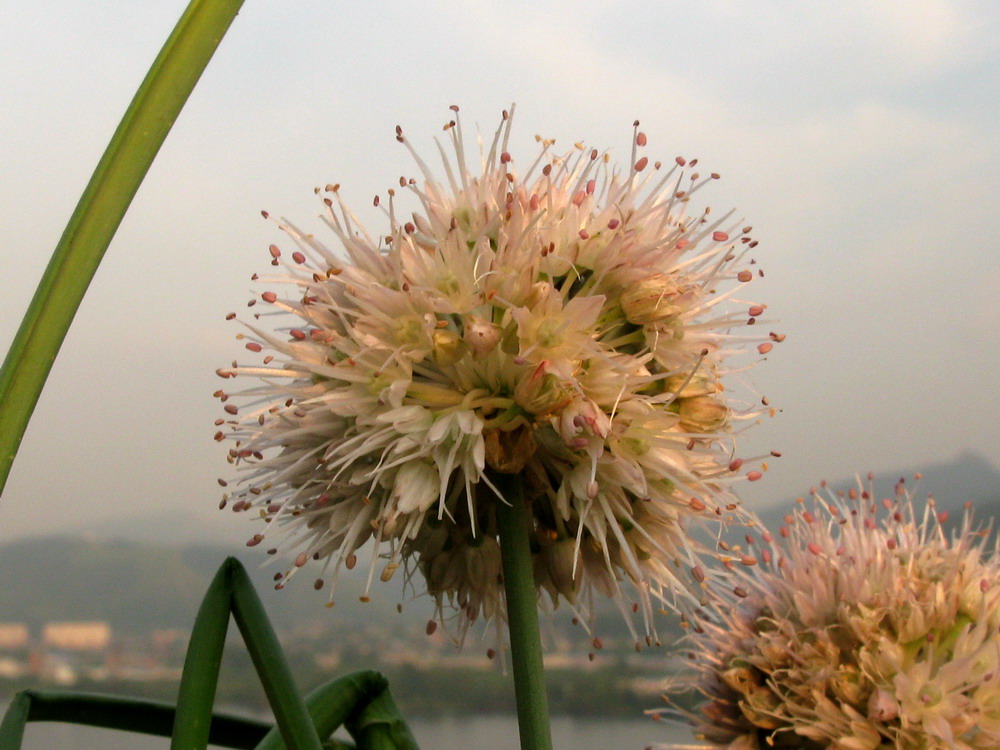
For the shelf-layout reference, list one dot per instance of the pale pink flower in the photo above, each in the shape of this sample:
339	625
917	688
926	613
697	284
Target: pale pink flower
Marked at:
868	626
560	319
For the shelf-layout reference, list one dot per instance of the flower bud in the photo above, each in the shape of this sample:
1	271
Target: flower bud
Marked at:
481	336
539	292
848	684
448	348
542	579
541	392
509	451
654	298
391	527
759	706
559	561
699	385
882	705
482	563
742	679
445	572
914	625
703	414
429	543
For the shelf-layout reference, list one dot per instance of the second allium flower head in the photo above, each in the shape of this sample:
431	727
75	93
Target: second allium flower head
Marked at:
866	627
562	321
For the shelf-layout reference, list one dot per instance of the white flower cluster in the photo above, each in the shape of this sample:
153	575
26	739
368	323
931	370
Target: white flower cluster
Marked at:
563	321
867	627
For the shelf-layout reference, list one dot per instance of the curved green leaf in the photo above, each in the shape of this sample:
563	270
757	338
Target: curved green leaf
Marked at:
380	726
12	726
200	677
361	701
283	695
119	173
114	712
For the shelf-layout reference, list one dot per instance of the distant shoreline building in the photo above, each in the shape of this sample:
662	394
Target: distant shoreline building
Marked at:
14	635
76	636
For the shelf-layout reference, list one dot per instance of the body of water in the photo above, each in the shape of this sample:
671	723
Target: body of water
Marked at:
470	733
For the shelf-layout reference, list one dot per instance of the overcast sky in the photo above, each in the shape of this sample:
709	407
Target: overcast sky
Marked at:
860	139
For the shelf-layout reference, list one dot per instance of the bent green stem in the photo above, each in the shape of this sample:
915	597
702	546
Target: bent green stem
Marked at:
514	523
102	206
116	713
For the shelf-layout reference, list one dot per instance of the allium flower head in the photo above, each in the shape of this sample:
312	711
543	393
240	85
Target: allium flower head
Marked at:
562	320
868	626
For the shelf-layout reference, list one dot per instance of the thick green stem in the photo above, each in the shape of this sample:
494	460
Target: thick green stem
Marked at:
103	204
514	523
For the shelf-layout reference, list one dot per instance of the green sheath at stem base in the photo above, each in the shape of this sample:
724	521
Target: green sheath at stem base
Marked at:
514	523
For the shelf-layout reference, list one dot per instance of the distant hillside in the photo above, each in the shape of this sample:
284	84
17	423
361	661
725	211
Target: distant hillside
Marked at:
970	478
139	587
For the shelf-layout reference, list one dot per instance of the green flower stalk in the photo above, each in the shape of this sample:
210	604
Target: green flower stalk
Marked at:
514	522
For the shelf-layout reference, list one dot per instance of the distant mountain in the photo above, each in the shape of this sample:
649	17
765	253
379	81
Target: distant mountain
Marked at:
169	528
139	587
969	478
